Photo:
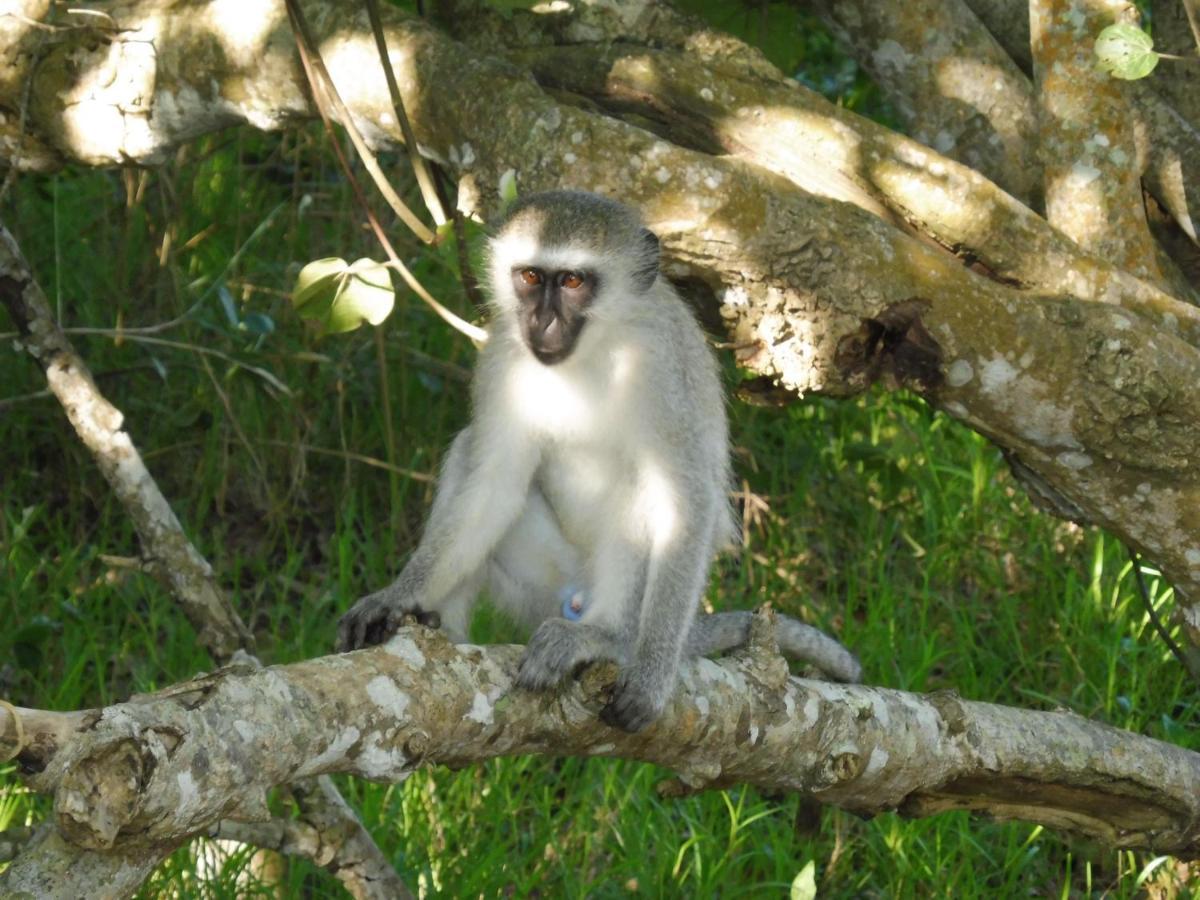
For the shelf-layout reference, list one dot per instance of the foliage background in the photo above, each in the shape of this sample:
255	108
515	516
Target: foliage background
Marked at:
878	519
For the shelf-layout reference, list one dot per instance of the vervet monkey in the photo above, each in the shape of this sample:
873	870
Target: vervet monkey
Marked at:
589	493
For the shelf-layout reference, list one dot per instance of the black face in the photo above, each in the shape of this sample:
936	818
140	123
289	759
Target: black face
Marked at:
552	309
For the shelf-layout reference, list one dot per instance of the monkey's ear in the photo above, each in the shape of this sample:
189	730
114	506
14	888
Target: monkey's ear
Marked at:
647	264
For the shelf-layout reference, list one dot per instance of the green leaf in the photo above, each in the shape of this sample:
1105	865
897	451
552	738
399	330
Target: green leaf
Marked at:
804	885
508	186
228	305
1125	51
257	323
317	286
366	294
343	295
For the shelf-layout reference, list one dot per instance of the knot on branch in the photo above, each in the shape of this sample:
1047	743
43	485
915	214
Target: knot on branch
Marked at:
894	346
761	656
18	733
838	768
102	793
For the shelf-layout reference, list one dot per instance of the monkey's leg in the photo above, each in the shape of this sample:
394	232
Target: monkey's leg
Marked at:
723	631
558	647
675	578
532	564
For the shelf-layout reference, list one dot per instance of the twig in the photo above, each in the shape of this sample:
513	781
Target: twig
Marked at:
189	575
233	420
469	282
428	191
1189	665
313	64
143	338
99	426
353	457
1189	7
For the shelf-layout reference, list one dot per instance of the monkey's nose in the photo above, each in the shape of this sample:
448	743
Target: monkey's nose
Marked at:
550	330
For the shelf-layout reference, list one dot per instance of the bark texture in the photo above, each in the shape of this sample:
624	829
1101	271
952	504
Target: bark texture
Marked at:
954	86
1172	151
1089	152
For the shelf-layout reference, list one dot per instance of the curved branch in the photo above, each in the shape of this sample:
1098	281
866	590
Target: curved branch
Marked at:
954	87
1091	159
1171	144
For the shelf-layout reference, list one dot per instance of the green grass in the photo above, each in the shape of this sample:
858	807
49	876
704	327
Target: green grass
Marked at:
877	518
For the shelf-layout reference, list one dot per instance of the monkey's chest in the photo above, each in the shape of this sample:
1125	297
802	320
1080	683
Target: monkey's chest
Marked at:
586	488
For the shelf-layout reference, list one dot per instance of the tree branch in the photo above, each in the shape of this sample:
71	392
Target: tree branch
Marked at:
164	766
1097	403
1172	142
954	87
99	426
1092	163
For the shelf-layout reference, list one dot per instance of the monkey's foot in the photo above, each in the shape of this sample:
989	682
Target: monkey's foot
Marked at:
634	704
558	648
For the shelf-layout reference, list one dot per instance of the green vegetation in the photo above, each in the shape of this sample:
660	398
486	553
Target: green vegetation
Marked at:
877	518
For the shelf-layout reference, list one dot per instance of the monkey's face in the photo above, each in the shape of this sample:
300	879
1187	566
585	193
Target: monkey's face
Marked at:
552	308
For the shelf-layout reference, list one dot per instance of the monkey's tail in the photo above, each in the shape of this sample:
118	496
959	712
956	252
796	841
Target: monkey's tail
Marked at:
722	631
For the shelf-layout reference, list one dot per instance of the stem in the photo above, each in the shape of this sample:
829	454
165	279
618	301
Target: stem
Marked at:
316	65
432	202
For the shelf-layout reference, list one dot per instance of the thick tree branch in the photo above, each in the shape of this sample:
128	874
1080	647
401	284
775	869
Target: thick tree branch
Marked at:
954	86
829	151
1090	157
165	766
1172	147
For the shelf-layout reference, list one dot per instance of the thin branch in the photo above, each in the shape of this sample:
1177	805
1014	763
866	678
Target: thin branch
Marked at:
190	577
99	426
354	457
469	282
314	64
1189	664
1189	7
424	180
142	337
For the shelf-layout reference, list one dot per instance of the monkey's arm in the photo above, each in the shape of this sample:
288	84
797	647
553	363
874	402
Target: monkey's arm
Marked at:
479	495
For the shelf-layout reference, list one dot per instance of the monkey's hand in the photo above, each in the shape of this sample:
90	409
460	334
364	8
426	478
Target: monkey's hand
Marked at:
376	617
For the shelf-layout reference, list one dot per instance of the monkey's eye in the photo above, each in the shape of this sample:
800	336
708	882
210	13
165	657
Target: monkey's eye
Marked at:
571	280
531	276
